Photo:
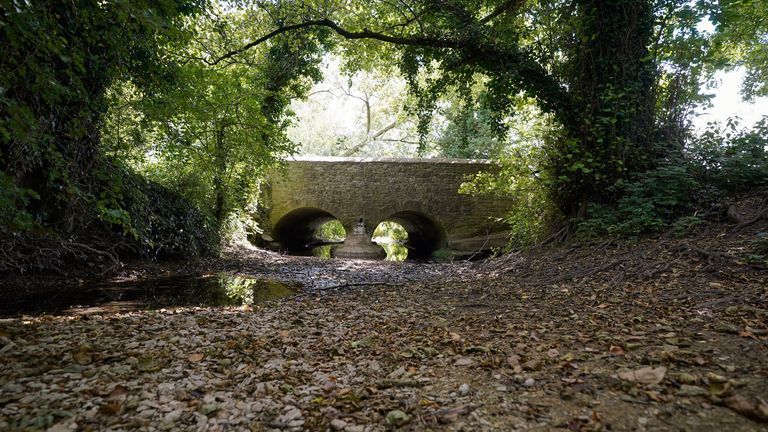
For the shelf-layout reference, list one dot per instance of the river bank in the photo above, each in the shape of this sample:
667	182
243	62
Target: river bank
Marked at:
633	335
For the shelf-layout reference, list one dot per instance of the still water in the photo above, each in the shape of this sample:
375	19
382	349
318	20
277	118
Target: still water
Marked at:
217	289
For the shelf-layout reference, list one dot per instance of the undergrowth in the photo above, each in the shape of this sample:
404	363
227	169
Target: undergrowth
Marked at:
675	195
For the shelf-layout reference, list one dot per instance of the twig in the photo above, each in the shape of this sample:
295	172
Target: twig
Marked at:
346	285
583	273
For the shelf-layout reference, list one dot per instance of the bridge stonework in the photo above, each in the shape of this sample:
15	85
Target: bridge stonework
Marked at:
419	194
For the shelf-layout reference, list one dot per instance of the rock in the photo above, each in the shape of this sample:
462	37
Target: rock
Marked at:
338	424
686	378
464	389
397	418
501	388
530	382
464	361
692	390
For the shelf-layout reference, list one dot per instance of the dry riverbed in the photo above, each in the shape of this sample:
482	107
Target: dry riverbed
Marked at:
565	339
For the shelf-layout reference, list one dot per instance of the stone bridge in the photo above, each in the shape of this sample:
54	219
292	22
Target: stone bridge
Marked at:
419	194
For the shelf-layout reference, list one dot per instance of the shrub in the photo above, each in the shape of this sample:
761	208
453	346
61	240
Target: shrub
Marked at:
729	159
647	203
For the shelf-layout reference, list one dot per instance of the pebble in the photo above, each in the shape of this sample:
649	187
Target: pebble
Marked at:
464	361
529	382
464	389
338	424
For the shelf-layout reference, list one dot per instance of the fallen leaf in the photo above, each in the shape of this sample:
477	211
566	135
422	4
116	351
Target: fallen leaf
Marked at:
616	350
754	409
646	375
119	393
450	415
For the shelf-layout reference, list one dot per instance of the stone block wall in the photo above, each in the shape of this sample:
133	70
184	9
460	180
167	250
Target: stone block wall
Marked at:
377	189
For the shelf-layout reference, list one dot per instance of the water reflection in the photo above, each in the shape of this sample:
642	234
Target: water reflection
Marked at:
325	251
395	250
220	289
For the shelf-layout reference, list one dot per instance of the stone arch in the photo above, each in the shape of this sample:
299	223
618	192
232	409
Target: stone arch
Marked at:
295	230
425	235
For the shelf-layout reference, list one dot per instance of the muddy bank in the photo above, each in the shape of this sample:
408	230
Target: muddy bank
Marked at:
664	334
242	276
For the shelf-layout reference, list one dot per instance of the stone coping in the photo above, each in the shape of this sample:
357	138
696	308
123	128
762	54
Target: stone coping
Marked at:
388	160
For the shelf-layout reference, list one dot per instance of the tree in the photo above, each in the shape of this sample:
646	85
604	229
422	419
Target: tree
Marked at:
58	59
355	113
215	128
741	40
602	96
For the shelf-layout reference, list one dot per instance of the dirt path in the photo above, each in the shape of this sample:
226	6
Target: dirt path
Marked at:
602	337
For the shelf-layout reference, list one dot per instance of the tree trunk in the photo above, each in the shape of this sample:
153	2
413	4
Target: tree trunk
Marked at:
611	78
220	210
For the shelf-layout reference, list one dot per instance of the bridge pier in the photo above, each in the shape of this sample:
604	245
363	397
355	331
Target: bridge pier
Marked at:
358	244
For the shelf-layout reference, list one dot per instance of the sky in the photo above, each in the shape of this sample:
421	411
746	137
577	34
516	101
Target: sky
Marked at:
728	103
326	117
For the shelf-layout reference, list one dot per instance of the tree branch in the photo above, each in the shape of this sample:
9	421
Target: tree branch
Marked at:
512	64
365	34
509	6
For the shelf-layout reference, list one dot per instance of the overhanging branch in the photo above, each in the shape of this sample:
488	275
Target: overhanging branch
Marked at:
531	77
422	41
506	7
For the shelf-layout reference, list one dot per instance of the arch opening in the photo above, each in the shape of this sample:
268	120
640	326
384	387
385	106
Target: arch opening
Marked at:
392	237
424	234
302	230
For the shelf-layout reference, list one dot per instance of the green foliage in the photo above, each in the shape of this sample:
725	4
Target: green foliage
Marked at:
717	163
732	159
212	132
331	231
391	230
531	217
59	58
757	254
760	243
646	204
158	221
686	225
468	133
13	202
740	40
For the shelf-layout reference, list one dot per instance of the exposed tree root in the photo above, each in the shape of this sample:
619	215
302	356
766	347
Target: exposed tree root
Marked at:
761	213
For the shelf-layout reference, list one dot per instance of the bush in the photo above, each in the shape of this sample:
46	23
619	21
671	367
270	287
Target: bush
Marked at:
729	159
13	201
122	215
157	222
717	163
647	204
